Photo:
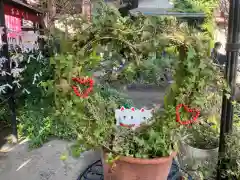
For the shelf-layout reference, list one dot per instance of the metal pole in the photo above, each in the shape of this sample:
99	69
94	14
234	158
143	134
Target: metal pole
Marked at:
134	4
232	48
9	78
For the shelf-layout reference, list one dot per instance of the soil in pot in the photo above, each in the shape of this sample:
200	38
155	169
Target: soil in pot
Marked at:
129	168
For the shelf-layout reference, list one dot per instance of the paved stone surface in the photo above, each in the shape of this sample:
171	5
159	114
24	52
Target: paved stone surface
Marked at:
164	12
43	163
152	7
148	98
154	4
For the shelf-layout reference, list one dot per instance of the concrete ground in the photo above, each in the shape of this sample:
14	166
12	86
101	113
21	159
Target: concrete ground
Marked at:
43	163
18	162
162	4
152	7
147	97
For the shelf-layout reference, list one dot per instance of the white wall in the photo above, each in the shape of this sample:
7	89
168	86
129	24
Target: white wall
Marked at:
221	36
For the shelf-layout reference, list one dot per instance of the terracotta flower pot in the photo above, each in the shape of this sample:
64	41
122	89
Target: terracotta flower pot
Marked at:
129	168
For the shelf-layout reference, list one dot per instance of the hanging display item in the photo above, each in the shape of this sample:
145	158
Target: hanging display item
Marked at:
194	112
132	118
14	26
85	82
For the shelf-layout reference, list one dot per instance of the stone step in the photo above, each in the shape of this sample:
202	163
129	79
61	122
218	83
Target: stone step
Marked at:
164	4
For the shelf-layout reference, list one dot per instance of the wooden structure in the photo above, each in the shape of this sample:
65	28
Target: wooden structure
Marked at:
20	17
87	9
15	15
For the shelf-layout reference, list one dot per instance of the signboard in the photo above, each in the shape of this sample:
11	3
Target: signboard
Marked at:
14	25
20	13
25	40
29	40
14	19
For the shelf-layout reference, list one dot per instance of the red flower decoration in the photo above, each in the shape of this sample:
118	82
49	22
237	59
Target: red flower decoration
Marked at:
195	114
83	81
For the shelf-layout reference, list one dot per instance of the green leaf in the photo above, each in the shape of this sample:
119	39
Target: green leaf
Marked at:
228	96
63	157
191	53
52	61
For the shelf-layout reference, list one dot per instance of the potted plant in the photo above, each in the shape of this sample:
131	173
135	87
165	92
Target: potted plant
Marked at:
198	84
231	158
144	153
92	118
198	145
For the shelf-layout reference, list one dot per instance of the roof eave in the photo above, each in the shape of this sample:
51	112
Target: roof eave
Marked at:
24	5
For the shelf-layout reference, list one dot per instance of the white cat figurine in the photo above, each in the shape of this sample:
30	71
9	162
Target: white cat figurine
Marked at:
132	118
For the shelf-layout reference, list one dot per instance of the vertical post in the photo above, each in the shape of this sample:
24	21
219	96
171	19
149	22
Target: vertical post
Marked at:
134	4
41	40
232	48
34	27
87	9
9	78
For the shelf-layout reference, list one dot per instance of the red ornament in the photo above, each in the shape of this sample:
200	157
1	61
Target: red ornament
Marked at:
83	81
195	114
127	126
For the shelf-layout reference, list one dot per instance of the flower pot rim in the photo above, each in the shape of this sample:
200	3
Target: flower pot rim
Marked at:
184	143
158	160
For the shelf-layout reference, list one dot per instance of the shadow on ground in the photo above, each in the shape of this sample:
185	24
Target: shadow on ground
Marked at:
5	131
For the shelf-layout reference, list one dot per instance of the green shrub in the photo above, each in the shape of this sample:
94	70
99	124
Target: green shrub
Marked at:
42	121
